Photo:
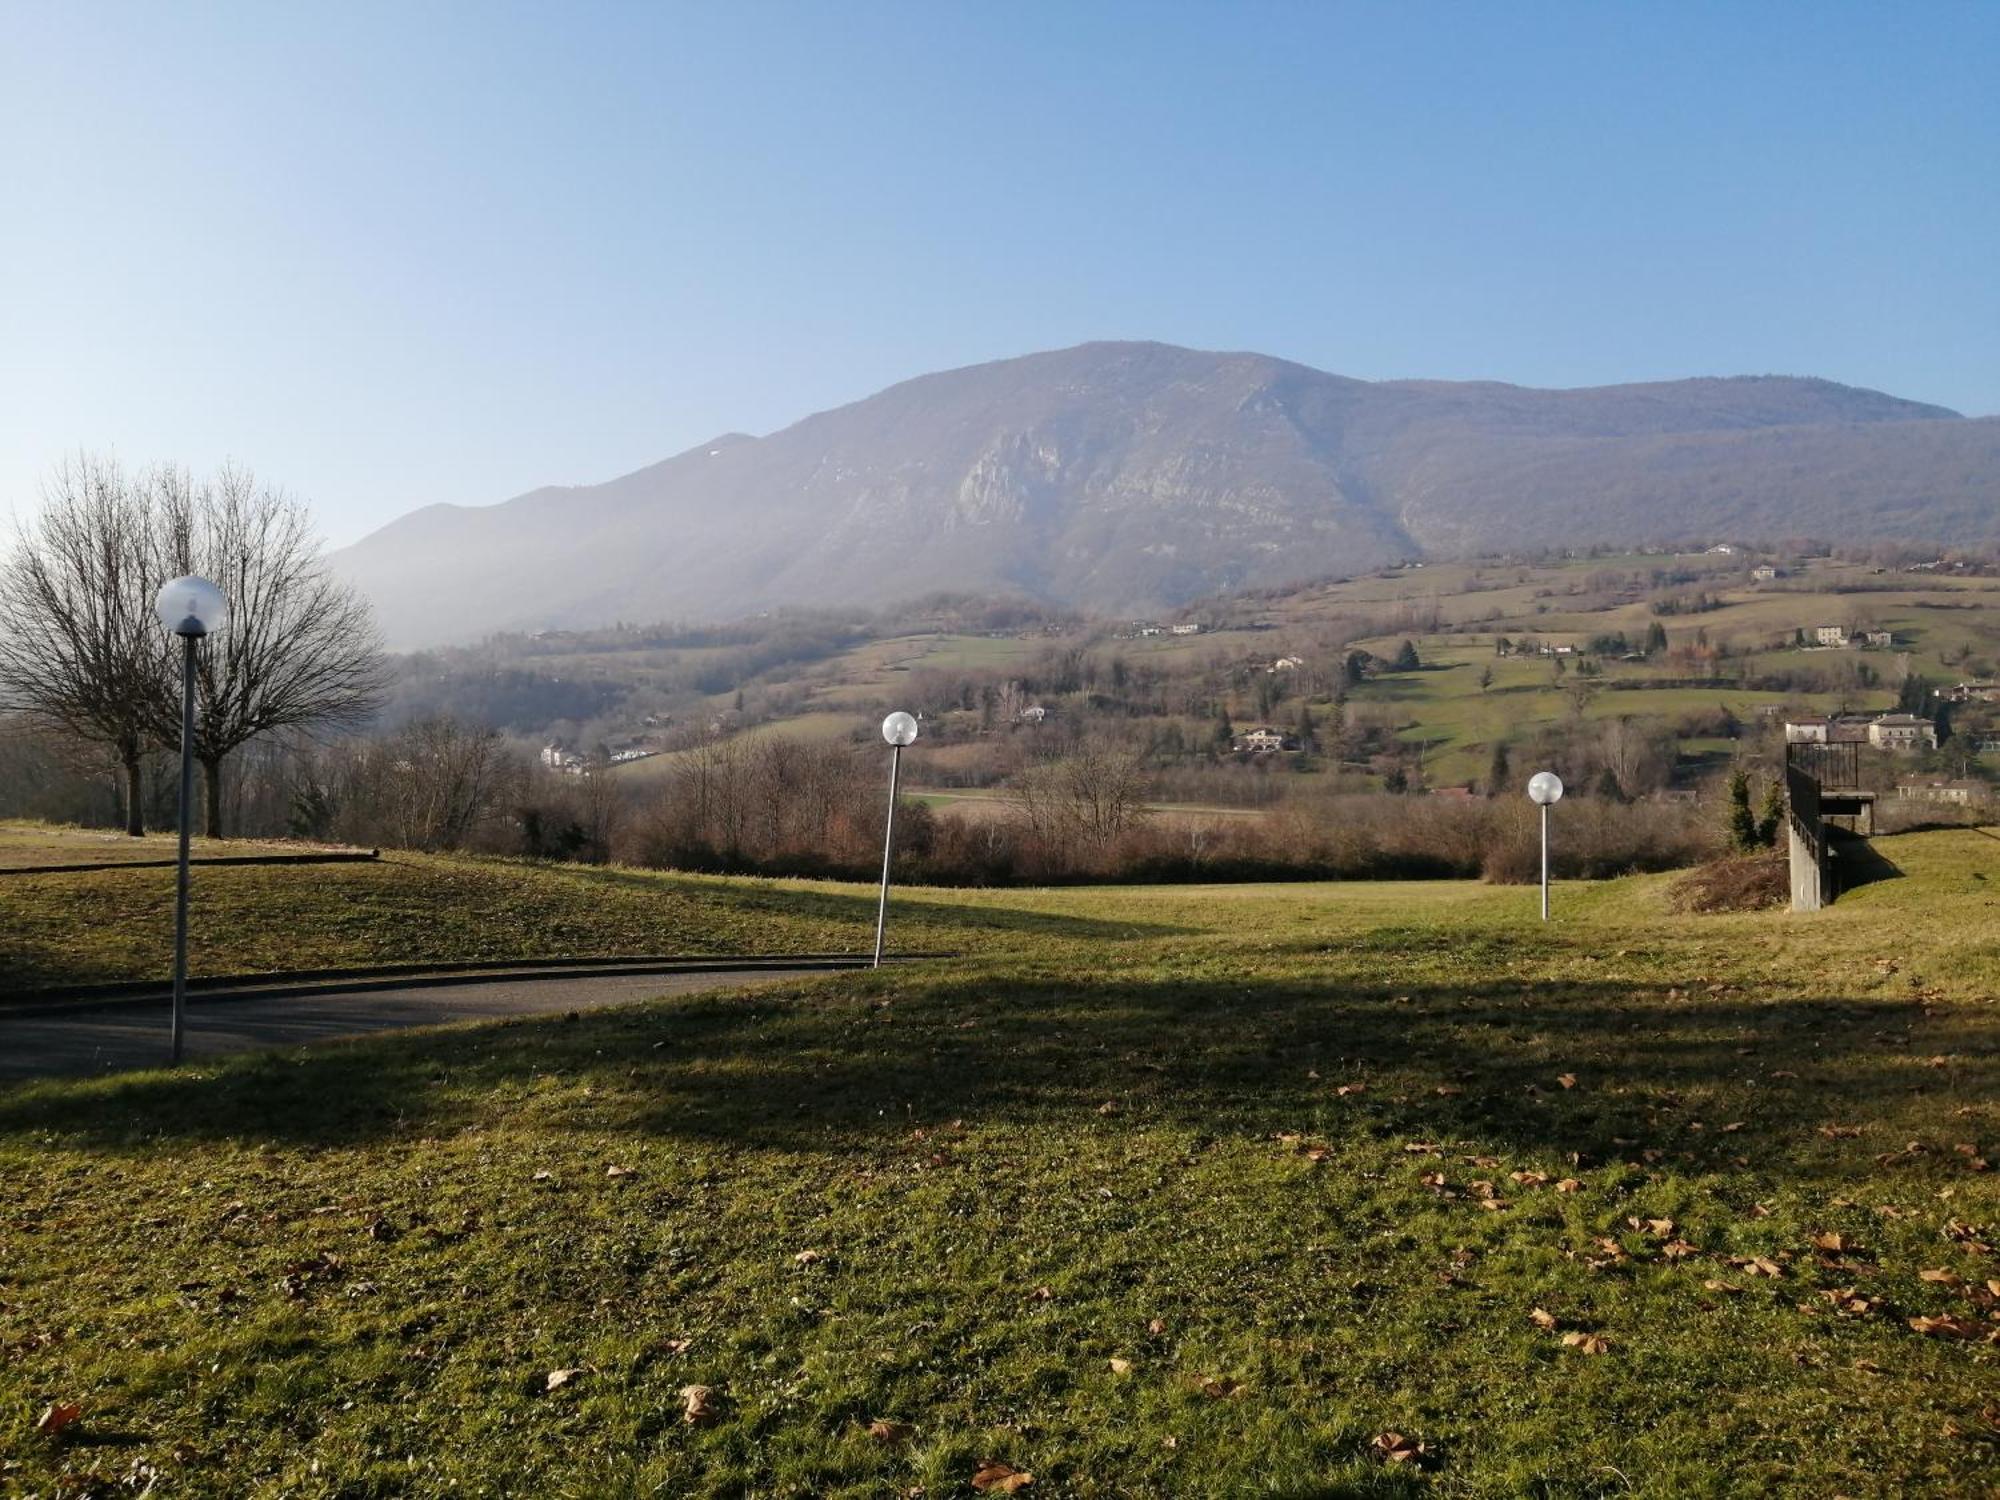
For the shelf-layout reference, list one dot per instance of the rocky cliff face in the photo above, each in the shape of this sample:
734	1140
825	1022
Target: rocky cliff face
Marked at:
1134	476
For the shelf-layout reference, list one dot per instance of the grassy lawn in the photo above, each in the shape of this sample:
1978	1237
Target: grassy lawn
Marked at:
407	908
1182	1191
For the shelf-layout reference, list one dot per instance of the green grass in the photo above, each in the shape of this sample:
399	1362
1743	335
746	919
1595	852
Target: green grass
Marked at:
1126	1127
410	908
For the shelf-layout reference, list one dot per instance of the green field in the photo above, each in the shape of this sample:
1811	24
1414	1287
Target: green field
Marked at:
1157	1191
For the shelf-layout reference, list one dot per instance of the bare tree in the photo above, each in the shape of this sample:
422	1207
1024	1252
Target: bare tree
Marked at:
300	648
81	652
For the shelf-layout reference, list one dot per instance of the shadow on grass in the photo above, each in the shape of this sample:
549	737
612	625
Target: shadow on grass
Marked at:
851	1065
1857	862
907	906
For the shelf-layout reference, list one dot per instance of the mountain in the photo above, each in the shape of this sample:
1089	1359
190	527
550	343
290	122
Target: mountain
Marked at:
1132	477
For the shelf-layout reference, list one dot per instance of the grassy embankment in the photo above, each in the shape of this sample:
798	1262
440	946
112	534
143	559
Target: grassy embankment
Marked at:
1160	1192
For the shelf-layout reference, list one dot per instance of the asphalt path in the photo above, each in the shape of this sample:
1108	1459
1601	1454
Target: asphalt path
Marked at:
120	1035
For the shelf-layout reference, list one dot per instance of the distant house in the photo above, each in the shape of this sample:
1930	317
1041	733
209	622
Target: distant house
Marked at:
1987	745
1815	729
1880	640
1287	664
1189	629
1260	741
1764	573
1830	635
1722	549
1971	692
1955	793
1904	733
1034	713
556	758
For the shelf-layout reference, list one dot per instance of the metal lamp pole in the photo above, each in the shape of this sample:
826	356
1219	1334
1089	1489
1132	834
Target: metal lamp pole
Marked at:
1545	789
191	608
899	729
187	833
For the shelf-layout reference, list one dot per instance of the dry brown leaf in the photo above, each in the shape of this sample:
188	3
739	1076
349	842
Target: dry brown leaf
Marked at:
807	1258
885	1431
1727	1288
1831	1241
59	1415
618	1172
1220	1387
1528	1179
1447	1091
1042	1294
557	1379
545	1175
1157	1327
1541	1317
1939	1275
1394	1448
1946	1326
1589	1343
1120	1366
1567	1080
1759	1265
1849	1303
1000	1479
1350	1088
1569	1185
700	1405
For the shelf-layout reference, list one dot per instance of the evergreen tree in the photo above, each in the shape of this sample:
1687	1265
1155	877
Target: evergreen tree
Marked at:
1772	818
1406	657
1308	738
1742	822
1498	769
1656	638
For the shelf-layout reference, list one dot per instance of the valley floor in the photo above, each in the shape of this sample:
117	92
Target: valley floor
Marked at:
1289	1190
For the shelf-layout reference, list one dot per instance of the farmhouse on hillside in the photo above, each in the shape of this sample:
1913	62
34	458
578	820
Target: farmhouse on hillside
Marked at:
1261	741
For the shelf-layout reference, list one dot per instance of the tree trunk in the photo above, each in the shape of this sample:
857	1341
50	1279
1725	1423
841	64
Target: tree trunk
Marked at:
135	811
211	785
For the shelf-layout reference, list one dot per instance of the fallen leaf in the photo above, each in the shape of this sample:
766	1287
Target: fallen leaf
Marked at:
1569	1185
1727	1288
807	1258
1000	1479
1589	1343
1120	1366
543	1176
1042	1294
1939	1275
1759	1265
1541	1317
1350	1088
700	1405
1528	1179
618	1172
59	1415
1567	1080
1947	1326
559	1378
1157	1327
1220	1387
885	1431
1830	1241
1394	1448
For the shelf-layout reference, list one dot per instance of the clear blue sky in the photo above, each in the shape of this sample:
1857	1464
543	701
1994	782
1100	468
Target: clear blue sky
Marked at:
394	254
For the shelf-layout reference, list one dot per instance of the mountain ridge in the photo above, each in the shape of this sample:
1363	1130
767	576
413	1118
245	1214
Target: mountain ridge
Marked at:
1136	476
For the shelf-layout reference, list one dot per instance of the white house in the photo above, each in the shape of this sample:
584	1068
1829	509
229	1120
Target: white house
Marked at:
1764	573
1830	635
1261	741
1902	732
1034	713
1287	664
1189	629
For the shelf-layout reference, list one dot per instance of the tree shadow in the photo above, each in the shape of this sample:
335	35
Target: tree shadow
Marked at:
851	1064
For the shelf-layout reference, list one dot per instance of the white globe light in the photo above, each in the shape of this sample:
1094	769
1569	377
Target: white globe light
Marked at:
899	729
191	606
1545	787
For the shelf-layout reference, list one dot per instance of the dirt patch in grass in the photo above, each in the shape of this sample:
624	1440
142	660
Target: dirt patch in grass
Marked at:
1750	882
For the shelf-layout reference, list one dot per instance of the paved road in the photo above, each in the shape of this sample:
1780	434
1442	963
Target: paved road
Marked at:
110	1038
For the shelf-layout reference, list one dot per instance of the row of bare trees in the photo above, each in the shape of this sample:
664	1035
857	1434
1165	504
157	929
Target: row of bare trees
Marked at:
82	654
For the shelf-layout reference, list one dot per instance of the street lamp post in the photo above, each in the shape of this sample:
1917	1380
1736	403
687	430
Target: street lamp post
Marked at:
191	608
1545	789
899	729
